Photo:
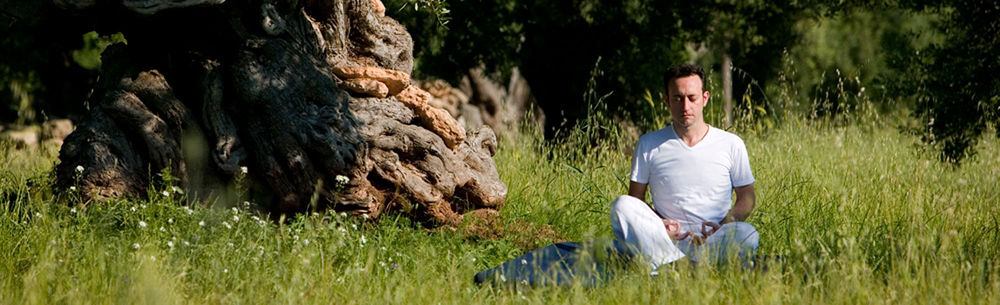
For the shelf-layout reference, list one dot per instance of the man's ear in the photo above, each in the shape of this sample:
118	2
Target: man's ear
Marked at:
705	96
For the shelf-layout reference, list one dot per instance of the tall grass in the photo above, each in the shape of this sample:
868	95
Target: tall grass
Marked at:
858	213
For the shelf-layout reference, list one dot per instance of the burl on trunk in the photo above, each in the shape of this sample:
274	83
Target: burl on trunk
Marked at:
296	92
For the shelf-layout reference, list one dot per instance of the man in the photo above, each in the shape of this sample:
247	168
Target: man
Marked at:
691	170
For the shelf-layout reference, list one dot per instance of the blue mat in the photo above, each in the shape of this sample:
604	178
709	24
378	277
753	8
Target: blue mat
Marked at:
588	263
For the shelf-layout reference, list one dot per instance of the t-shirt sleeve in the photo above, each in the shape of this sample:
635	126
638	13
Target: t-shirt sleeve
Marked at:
740	174
640	170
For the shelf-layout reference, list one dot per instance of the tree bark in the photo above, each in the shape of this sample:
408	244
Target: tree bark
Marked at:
727	90
206	88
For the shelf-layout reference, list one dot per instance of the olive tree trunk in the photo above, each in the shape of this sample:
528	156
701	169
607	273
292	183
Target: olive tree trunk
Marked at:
299	94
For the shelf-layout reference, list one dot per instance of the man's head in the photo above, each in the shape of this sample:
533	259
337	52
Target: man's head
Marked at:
685	96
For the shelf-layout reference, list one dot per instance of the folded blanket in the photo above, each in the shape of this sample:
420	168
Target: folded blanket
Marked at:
588	263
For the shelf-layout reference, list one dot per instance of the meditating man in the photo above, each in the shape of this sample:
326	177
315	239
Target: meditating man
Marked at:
691	170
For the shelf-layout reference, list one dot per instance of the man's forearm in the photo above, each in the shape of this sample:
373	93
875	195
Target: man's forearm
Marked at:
745	201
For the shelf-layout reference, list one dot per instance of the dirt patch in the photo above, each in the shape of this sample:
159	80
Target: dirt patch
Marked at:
486	224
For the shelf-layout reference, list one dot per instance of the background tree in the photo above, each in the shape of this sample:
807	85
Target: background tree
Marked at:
954	81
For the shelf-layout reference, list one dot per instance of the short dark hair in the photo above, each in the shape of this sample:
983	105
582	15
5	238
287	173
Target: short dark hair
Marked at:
682	70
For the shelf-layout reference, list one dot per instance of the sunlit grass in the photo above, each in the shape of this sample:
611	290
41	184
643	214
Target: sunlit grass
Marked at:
859	214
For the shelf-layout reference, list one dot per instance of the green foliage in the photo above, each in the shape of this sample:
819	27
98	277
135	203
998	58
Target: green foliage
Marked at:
89	56
954	81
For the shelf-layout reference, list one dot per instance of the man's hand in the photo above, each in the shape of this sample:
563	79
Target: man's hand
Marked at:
708	228
674	229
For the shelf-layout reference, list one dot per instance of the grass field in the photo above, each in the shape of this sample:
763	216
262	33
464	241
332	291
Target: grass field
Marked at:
860	214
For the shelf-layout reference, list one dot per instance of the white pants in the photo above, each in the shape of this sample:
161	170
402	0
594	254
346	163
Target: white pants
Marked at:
635	224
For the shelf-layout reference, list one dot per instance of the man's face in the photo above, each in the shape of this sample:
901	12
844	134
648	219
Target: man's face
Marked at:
686	99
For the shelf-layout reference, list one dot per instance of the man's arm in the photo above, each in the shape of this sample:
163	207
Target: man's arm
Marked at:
637	190
745	201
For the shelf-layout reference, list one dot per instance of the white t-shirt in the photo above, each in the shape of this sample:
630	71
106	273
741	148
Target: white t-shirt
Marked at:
691	184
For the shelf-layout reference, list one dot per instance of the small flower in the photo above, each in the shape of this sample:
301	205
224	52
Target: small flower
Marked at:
342	180
79	168
162	229
343	214
133	208
230	245
170	244
244	170
226	224
363	240
225	270
166	194
153	258
188	210
305	241
73	210
37	214
142	223
136	246
170	220
201	223
72	188
236	218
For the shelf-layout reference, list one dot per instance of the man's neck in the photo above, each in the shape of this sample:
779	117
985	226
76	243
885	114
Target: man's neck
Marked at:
693	134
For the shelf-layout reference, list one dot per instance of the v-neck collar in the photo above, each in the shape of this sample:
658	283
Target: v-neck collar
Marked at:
708	133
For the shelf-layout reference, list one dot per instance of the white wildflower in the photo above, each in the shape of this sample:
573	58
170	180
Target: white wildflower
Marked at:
133	208
170	220
136	246
162	229
170	244
152	257
186	243
72	188
226	224
342	180
201	223
305	241
79	168
142	223
37	214
236	218
230	245
188	210
363	240
225	270
166	194
73	210
354	226
244	170
343	214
